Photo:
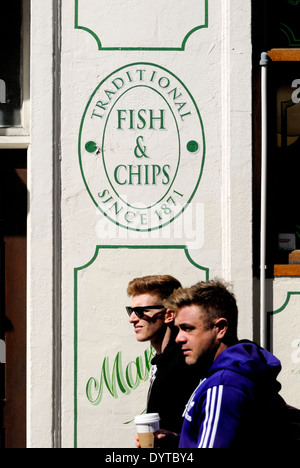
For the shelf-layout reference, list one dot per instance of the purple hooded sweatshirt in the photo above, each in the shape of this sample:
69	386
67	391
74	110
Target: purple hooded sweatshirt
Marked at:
237	404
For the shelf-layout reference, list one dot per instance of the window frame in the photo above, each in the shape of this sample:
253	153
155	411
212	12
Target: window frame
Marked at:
19	136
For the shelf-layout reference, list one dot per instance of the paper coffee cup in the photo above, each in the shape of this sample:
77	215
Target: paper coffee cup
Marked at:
146	425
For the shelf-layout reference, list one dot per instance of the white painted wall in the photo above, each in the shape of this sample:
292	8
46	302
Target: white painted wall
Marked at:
285	335
40	237
215	68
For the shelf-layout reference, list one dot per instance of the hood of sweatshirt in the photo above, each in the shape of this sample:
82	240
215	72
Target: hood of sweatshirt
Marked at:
249	360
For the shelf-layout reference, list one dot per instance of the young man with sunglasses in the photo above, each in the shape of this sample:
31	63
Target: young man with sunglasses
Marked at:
171	379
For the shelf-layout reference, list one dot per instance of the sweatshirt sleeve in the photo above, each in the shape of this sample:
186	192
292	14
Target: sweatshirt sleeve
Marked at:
221	416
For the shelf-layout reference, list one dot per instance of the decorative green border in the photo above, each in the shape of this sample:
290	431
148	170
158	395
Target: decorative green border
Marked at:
179	49
293	41
288	298
271	314
77	270
203	153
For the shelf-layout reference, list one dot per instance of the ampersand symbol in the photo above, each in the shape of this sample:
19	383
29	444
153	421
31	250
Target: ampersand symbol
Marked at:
140	152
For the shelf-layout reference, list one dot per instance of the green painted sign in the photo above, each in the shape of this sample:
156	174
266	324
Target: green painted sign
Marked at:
111	369
141	147
120	26
119	379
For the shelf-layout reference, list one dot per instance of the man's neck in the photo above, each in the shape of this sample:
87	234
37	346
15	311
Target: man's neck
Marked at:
160	342
221	348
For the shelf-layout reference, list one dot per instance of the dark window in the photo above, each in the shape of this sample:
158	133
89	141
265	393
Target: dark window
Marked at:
284	161
10	63
276	26
282	25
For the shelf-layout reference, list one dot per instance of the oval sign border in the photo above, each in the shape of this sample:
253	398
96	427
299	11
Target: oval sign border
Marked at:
162	224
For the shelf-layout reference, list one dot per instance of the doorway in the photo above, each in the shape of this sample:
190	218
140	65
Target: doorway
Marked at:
13	243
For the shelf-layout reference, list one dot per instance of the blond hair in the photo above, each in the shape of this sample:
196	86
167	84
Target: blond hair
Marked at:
160	285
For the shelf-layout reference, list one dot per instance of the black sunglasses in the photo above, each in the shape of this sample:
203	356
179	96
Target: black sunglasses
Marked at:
140	311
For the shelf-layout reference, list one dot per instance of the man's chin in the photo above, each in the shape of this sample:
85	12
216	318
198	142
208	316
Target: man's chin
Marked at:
141	338
190	361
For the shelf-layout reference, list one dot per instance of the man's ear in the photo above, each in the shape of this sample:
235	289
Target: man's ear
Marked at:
169	316
222	326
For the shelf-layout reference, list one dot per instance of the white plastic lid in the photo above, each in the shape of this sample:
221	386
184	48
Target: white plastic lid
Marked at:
148	418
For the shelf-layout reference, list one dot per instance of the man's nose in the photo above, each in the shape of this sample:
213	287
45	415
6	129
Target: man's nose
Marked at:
180	337
133	318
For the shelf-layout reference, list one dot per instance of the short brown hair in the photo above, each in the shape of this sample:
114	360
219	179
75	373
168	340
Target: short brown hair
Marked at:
160	285
214	297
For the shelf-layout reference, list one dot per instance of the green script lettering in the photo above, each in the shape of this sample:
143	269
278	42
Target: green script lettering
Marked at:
135	372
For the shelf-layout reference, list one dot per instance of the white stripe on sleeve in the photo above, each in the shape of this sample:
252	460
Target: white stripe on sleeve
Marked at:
212	416
206	416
